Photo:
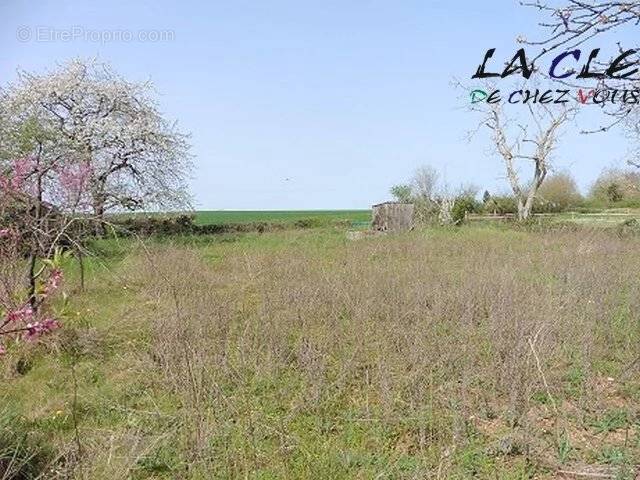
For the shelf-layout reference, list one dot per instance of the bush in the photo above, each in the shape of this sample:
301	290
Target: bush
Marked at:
629	228
164	226
558	193
308	223
615	185
501	205
157	225
402	193
462	206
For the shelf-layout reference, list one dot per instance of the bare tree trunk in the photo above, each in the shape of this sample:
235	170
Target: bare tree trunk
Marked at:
98	213
539	175
31	279
525	208
35	246
80	257
522	215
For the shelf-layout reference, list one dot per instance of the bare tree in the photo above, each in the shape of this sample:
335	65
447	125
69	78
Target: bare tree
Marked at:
424	193
424	182
135	157
632	133
569	23
531	141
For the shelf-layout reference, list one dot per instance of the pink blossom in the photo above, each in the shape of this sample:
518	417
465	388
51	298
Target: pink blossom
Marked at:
24	314
5	233
74	178
53	283
37	329
3	350
16	180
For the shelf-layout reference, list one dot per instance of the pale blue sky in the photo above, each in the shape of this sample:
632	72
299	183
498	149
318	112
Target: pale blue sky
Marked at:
343	98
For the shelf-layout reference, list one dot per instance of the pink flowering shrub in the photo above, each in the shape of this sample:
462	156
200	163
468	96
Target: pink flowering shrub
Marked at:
62	183
27	309
16	179
25	317
72	185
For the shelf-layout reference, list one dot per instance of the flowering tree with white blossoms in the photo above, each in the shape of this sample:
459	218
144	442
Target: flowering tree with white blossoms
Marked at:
74	143
112	129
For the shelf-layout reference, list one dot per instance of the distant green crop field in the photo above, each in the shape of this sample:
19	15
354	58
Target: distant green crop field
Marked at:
285	216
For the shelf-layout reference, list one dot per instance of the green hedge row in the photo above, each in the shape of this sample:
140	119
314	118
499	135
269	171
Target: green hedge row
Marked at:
155	225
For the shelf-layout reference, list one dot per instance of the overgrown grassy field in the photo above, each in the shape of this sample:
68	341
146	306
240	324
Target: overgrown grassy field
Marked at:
476	352
287	216
605	217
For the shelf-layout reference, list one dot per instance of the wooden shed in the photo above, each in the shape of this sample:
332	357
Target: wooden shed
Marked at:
392	217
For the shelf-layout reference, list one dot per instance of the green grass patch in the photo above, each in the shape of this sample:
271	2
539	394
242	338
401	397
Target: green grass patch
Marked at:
223	217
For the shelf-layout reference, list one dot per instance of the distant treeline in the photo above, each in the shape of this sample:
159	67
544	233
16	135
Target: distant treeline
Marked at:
614	188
